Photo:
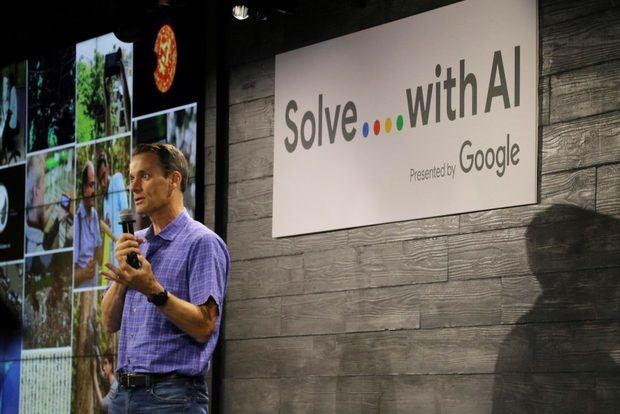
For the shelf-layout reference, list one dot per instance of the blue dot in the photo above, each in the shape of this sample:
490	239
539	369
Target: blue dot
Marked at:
365	129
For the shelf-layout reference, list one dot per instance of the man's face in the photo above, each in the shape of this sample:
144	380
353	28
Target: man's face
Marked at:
88	188
151	189
102	177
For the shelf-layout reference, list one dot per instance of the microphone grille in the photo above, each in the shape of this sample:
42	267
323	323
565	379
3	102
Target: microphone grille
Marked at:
126	215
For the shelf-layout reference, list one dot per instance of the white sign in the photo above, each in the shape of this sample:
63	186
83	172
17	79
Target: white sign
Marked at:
426	116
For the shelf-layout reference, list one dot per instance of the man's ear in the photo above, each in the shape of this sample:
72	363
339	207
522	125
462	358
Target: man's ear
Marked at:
176	179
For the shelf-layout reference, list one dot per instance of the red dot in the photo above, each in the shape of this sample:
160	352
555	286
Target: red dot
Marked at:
377	127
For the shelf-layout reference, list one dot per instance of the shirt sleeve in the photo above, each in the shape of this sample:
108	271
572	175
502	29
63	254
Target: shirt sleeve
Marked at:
208	270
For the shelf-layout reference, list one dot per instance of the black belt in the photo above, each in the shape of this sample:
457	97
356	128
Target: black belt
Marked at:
134	379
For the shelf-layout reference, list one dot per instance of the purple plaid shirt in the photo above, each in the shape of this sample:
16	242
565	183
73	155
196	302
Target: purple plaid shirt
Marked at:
192	263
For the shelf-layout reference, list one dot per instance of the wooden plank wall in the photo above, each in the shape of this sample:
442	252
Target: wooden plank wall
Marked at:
510	310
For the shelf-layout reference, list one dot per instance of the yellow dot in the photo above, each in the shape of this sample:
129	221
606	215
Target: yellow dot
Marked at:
388	125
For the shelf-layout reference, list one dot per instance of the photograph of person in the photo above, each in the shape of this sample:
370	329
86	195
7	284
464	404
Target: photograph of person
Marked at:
104	84
112	167
47	301
12	113
12	212
51	100
49	206
93	378
88	244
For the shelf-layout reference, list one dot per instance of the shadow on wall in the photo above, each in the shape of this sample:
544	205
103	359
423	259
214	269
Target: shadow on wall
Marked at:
563	355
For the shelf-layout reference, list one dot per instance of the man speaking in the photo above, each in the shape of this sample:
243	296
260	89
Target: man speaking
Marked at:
168	310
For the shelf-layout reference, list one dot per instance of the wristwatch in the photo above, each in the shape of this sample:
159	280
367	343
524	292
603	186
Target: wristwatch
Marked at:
159	299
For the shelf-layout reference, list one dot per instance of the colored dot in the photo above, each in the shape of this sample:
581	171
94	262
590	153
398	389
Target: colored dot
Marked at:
377	127
388	125
365	129
399	122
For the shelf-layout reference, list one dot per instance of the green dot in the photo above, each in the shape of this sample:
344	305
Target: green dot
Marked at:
399	122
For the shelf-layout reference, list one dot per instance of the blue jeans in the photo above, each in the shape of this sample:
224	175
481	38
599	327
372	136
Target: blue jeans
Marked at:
172	395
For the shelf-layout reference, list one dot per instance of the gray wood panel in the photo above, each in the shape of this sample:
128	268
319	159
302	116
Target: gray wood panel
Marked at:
331	270
557	393
608	190
252	239
252	80
254	318
575	188
251	159
250	200
265	277
582	143
557	11
581	42
416	261
468	350
242	396
584	92
251	120
485	255
607	392
309	395
462	303
544	96
405	230
577	347
566	296
319	313
282	357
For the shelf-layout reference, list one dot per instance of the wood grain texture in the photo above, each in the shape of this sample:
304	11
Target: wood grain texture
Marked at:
582	143
607	392
539	393
577	347
265	277
463	303
544	96
319	313
251	159
584	92
332	270
252	239
243	396
406	230
485	255
254	318
581	42
252	80
309	395
608	190
575	188
251	120
250	200
469	350
416	261
565	296
285	357
558	11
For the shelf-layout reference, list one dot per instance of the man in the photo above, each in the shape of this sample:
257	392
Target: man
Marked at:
88	244
42	221
114	198
168	311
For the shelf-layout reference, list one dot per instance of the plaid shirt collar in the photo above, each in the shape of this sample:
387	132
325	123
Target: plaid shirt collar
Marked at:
172	230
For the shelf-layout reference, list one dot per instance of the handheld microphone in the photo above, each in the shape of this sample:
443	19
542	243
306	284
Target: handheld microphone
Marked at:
127	221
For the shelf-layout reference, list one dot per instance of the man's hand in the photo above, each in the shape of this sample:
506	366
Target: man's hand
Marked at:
141	279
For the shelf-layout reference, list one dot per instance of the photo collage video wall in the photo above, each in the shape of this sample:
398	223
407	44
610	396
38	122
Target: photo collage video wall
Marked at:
68	123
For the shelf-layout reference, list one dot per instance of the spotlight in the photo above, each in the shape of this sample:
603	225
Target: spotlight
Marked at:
240	11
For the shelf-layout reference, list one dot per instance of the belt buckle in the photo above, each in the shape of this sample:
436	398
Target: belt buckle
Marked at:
130	380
